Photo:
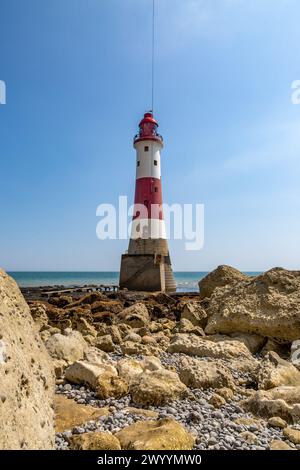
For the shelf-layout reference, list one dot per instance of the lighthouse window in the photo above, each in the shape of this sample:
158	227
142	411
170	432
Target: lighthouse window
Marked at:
156	189
155	162
146	148
138	163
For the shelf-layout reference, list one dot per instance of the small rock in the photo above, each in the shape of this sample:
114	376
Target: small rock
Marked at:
249	437
156	435
157	387
292	435
280	445
217	401
277	422
105	343
95	441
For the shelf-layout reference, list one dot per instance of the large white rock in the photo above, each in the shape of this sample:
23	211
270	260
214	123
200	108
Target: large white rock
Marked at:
274	372
136	316
129	368
163	434
267	305
156	387
83	372
195	313
26	376
280	401
70	347
220	277
196	346
195	373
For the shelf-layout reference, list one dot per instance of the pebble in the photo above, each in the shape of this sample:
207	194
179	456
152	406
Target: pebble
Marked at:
213	429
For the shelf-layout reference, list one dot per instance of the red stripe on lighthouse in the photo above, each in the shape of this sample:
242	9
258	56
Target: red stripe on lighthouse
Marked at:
148	193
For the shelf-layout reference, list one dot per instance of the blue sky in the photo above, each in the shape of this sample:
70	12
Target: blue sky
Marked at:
78	81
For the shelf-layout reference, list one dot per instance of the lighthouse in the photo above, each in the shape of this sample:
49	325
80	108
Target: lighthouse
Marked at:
147	265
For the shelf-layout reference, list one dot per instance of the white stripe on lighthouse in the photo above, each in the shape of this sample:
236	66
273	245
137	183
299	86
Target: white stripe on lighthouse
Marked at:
148	228
148	159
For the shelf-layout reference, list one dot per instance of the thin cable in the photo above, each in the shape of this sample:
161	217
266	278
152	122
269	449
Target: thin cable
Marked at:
153	52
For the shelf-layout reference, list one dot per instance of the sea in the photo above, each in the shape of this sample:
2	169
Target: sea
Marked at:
186	281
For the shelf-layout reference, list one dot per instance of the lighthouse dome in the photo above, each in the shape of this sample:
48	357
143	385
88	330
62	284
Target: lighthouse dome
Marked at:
148	129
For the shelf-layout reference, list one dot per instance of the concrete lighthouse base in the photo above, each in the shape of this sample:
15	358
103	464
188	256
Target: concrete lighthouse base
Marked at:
143	272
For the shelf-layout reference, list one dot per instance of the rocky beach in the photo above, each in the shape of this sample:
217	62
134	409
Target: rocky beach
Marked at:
216	370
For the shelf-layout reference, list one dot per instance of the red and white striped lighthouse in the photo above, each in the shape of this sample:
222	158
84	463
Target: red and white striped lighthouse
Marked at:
147	264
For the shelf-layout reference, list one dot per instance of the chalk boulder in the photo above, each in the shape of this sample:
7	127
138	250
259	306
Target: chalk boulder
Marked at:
283	402
156	387
69	347
163	434
26	376
220	277
267	305
136	316
195	373
274	372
